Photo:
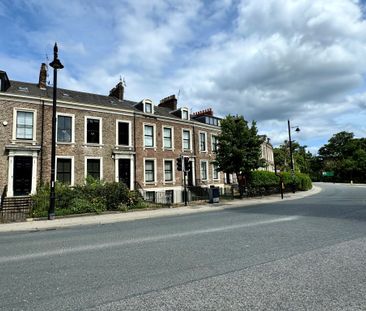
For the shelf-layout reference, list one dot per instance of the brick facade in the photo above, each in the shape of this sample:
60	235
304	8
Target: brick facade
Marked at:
26	97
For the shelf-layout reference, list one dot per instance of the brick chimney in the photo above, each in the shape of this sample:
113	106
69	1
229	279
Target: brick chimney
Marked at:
43	77
117	91
169	102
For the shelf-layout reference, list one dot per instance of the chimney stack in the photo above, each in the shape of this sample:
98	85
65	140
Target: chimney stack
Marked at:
43	77
117	91
169	102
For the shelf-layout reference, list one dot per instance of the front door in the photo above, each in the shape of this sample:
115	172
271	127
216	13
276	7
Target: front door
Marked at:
190	175
124	171
22	177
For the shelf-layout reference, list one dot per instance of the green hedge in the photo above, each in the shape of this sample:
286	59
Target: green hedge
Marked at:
264	181
93	197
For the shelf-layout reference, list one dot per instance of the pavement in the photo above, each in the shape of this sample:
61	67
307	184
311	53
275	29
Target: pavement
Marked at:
106	218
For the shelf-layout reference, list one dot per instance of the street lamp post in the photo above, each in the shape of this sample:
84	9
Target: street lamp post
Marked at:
291	157
55	64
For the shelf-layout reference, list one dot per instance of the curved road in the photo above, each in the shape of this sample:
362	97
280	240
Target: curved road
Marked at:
307	254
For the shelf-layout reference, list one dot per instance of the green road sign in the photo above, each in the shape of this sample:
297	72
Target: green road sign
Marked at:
328	174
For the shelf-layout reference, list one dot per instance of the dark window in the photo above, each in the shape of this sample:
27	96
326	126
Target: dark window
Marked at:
92	131
202	142
64	171
123	134
93	168
150	196
215	142
64	129
24	125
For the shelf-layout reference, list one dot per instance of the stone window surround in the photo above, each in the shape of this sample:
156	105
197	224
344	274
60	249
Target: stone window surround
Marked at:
154	135
100	167
213	173
207	177
148	101
154	182
72	183
15	112
199	141
173	171
72	127
129	132
172	137
190	139
86	131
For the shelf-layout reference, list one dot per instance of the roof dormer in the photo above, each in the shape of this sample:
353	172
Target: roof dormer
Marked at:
146	106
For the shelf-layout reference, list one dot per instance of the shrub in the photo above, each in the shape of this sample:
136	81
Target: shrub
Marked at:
94	197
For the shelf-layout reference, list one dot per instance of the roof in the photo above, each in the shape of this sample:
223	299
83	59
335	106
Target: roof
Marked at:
33	90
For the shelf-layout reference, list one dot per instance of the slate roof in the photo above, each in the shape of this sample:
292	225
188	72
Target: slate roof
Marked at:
32	89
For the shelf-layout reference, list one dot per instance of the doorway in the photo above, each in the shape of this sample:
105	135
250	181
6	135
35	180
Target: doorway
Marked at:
22	175
124	171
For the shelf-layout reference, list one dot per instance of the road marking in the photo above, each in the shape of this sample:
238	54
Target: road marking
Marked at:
93	247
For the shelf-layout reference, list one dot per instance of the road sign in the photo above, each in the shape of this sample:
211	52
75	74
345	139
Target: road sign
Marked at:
328	174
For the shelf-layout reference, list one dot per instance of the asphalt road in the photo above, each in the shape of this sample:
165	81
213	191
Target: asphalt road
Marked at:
307	254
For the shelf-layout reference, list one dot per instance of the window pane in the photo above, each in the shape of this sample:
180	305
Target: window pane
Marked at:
202	142
186	140
167	137
168	170
64	129
149	136
148	108
93	168
24	126
149	170
123	133
204	170
64	171
93	131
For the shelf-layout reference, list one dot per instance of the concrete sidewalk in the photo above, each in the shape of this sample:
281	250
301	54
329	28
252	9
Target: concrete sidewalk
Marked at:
35	225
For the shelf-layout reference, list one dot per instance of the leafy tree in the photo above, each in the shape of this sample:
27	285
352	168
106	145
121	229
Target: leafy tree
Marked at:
300	156
345	156
239	149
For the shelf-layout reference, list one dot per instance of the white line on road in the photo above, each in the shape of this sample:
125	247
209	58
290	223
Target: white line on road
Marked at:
93	247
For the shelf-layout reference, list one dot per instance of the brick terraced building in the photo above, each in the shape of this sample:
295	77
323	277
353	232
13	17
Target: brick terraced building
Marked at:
107	137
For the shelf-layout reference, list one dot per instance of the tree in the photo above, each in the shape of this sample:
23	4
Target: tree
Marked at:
239	148
300	156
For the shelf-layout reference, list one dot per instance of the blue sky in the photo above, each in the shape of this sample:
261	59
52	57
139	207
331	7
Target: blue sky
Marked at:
269	60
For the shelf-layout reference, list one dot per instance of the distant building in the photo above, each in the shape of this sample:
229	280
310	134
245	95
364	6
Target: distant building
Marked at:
267	155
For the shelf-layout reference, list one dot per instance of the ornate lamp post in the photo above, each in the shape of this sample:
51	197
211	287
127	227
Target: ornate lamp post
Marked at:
55	64
291	157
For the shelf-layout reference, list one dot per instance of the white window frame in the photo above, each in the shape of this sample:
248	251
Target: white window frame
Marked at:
72	183
190	139
213	173
100	168
154	182
173	172
199	140
100	130
185	109
212	145
154	135
34	130
129	133
172	137
72	127
207	177
148	101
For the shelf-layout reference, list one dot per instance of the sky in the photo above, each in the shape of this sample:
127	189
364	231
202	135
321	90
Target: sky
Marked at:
268	60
